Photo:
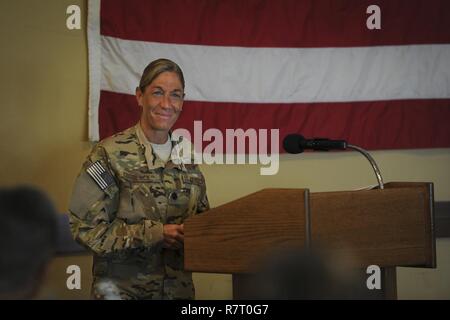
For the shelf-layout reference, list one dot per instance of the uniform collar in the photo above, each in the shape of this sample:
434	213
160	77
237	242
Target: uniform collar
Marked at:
153	161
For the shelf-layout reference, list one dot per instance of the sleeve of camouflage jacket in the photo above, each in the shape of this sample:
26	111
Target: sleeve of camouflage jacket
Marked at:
93	219
203	202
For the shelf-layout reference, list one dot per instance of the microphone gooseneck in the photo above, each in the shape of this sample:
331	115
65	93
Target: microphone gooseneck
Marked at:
372	163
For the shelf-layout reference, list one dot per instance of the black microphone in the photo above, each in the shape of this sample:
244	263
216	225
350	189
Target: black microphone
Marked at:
296	143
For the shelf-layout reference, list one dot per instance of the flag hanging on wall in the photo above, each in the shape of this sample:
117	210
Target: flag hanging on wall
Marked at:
376	76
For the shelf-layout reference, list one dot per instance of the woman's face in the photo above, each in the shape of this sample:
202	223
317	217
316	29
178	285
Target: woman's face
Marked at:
161	102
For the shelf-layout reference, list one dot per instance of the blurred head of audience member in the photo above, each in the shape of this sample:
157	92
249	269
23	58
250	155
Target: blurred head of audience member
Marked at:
290	274
28	237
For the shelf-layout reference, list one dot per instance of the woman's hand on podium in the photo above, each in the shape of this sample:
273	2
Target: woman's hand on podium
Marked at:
173	236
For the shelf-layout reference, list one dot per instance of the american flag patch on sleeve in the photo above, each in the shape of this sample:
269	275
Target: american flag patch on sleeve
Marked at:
102	177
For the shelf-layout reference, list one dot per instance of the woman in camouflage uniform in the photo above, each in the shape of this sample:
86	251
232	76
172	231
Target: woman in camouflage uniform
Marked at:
133	194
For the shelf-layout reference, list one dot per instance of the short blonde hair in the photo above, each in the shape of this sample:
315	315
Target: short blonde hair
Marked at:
155	68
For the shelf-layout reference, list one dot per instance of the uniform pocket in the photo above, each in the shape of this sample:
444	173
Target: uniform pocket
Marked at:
144	203
178	205
126	205
137	195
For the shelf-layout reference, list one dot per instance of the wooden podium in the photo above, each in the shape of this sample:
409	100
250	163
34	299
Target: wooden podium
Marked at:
390	227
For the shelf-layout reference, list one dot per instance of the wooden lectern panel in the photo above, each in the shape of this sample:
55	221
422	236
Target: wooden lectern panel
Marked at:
390	227
229	238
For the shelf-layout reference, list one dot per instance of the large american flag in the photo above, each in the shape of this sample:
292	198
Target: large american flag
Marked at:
303	66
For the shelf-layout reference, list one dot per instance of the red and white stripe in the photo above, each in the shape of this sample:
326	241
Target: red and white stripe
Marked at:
310	67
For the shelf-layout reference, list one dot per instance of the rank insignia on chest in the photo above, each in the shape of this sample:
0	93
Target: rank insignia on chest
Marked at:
102	177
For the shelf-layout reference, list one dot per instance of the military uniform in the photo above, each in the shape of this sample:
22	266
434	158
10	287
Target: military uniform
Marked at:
122	197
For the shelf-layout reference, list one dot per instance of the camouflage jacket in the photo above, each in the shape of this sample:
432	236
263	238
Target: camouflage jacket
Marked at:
122	197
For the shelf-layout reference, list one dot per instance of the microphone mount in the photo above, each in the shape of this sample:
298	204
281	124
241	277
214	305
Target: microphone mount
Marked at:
372	163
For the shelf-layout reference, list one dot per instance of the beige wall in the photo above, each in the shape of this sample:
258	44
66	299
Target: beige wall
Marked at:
43	123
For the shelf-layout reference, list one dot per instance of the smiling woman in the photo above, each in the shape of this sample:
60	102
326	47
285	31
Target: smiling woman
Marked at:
130	200
161	101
